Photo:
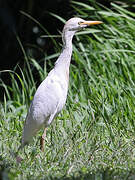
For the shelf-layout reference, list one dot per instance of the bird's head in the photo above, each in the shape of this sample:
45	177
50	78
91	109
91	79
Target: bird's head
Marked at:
73	25
76	24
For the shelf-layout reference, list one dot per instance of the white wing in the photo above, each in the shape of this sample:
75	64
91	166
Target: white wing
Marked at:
48	101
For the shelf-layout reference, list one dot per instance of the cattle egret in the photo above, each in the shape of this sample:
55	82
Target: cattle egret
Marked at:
51	95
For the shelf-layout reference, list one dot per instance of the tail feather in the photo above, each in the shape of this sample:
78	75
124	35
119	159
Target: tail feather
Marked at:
29	131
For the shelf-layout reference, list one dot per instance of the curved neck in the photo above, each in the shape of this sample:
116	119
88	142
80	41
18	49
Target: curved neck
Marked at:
65	56
67	38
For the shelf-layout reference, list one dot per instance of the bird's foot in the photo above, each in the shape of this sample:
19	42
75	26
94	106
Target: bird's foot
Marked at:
18	159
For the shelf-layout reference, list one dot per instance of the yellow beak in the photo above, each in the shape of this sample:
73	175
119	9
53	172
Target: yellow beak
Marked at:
89	23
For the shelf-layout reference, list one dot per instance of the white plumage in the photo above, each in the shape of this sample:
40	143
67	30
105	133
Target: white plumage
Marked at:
51	95
48	101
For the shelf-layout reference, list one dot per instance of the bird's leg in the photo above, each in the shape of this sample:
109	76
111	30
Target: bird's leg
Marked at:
42	140
18	158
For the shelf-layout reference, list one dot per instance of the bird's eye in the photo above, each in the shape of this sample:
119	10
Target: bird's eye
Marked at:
80	23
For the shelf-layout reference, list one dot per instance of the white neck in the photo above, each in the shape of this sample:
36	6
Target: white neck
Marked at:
65	56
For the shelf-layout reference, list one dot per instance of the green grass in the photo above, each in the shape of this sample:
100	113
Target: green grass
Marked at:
94	136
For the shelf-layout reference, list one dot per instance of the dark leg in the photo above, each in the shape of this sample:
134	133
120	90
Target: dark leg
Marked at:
42	140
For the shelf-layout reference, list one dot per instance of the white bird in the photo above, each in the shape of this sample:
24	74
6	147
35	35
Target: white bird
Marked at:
51	95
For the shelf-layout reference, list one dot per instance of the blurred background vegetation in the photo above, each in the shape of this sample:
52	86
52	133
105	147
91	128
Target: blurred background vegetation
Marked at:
13	22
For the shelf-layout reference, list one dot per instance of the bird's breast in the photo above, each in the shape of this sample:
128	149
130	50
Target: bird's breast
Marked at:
50	96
